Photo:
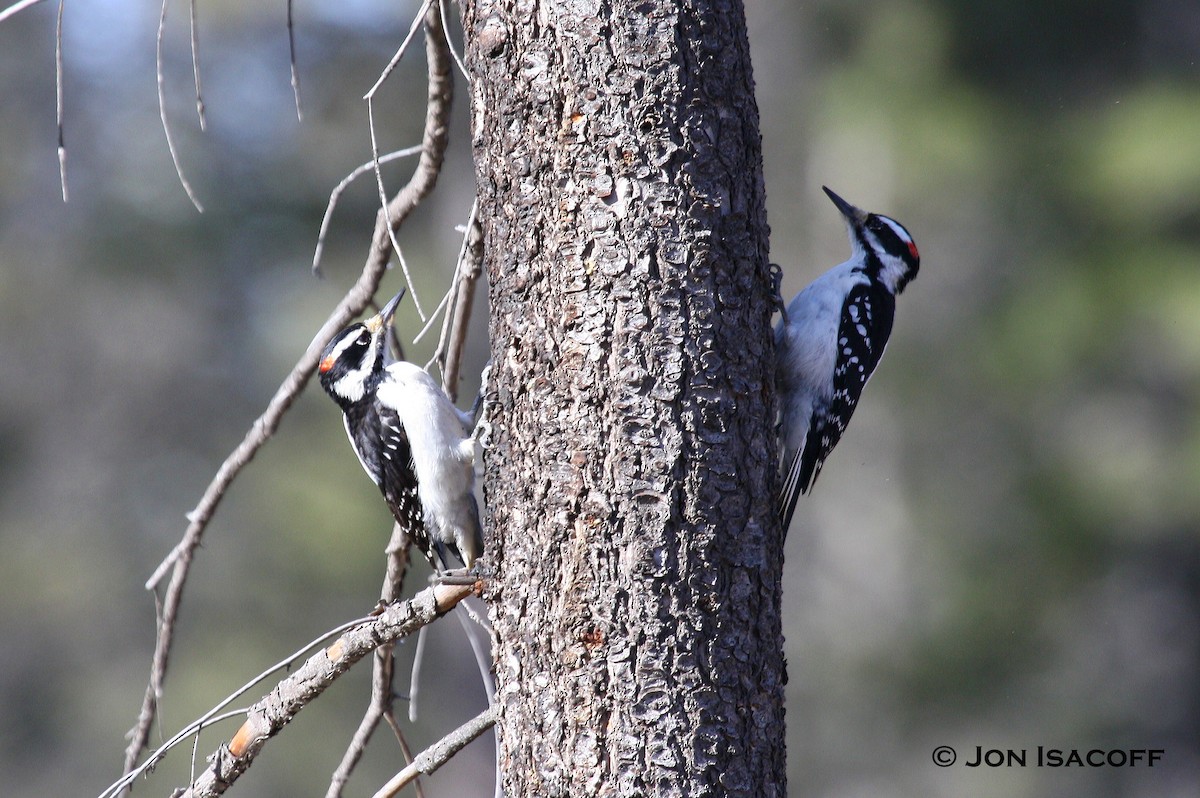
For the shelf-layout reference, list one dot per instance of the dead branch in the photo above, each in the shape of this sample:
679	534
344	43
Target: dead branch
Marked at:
15	8
454	341
395	61
423	180
336	195
58	103
432	758
431	20
291	29
382	692
408	756
276	710
267	717
462	67
162	108
449	298
216	714
195	36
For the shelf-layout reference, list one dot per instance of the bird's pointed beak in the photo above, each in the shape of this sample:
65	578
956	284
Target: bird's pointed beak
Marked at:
853	215
384	319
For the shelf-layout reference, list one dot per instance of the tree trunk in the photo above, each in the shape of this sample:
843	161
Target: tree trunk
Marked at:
630	480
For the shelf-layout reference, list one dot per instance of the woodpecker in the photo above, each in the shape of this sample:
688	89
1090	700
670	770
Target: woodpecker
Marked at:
409	437
831	339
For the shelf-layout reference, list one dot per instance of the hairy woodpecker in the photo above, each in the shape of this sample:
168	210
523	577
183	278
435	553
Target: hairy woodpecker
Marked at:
409	437
831	339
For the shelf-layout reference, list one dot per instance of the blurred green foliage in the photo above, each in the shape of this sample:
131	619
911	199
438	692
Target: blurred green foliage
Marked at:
1004	551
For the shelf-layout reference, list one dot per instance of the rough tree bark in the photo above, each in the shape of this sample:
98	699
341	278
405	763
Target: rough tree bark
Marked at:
636	559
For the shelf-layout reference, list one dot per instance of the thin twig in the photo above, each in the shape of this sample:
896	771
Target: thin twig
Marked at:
432	758
193	728
58	89
162	108
412	32
408	755
381	686
382	693
450	299
436	314
455	343
462	67
266	718
414	678
383	207
178	562
341	187
16	8
195	34
211	717
483	660
432	21
292	60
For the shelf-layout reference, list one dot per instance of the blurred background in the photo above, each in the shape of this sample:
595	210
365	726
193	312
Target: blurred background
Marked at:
1004	551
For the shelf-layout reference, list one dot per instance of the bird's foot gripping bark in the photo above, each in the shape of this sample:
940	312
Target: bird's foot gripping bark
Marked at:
459	576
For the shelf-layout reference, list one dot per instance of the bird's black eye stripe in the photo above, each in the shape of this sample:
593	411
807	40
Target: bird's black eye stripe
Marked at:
891	242
362	342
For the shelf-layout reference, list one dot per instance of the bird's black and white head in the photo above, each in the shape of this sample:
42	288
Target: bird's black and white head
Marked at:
353	363
886	249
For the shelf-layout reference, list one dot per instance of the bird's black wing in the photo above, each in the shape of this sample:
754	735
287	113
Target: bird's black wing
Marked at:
382	445
863	333
862	336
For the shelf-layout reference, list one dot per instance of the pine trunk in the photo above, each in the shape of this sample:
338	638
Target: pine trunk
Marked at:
636	559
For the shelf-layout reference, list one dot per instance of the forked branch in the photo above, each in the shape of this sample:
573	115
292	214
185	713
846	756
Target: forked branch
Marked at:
178	562
267	717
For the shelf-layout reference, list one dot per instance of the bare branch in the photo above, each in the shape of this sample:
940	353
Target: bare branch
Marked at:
16	8
212	716
424	178
291	28
162	108
414	679
179	560
450	296
408	757
462	67
432	758
383	668
196	64
433	317
58	90
432	24
454	342
483	660
341	187
193	729
267	717
383	207
412	31
381	688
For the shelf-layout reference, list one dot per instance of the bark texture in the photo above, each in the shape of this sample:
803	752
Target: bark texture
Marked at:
636	558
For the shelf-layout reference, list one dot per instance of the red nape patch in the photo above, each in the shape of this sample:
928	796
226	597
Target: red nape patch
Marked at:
912	250
326	364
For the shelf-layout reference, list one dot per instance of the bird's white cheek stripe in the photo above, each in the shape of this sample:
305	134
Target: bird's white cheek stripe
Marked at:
351	386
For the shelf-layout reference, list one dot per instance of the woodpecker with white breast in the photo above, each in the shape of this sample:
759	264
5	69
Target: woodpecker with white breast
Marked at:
409	437
831	339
